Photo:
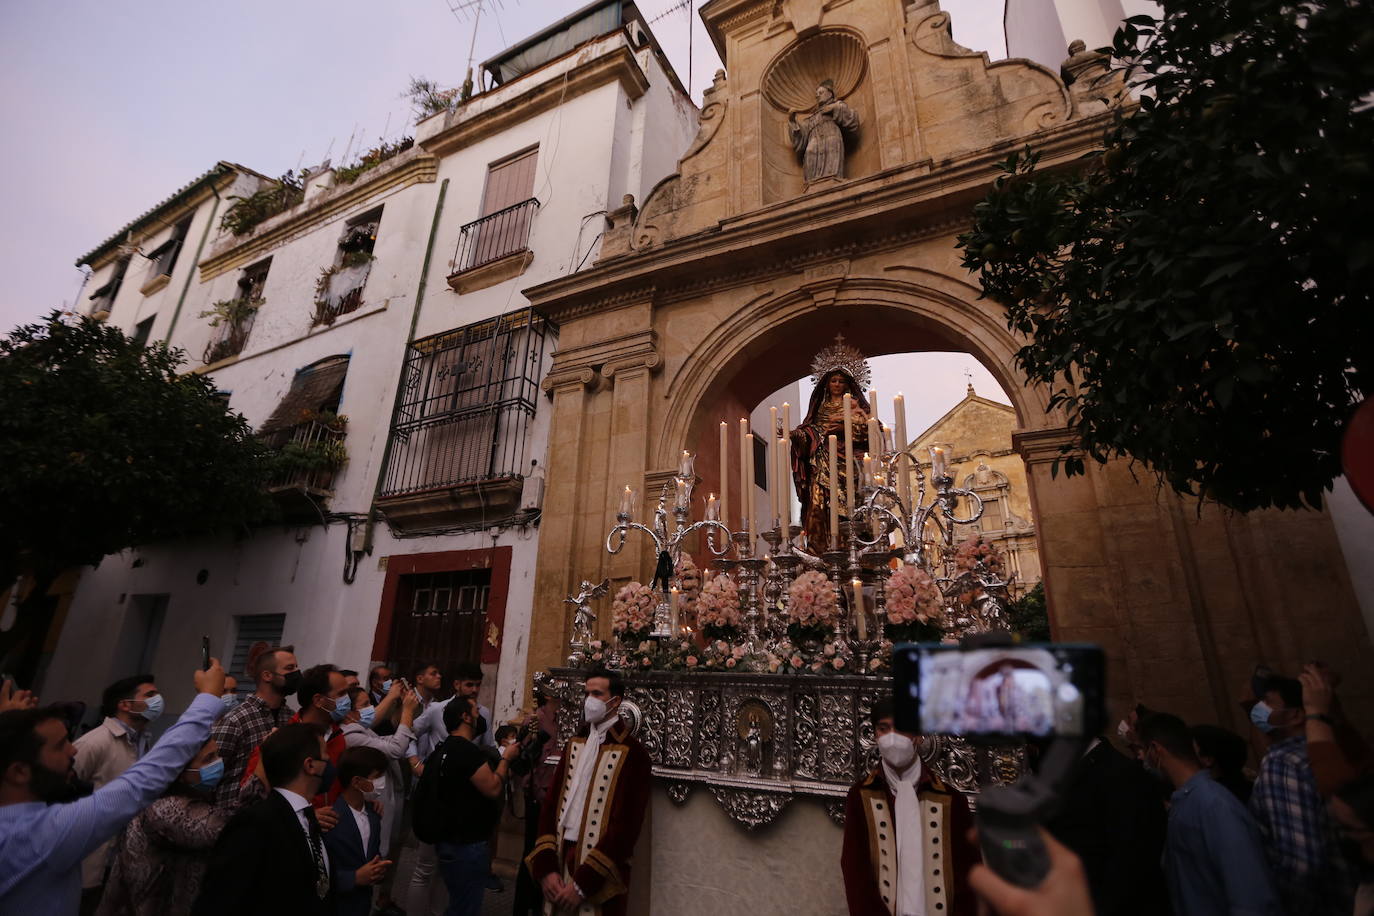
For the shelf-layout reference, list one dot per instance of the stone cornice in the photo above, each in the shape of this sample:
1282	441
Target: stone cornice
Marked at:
724	16
917	201
417	168
1038	446
618	65
607	358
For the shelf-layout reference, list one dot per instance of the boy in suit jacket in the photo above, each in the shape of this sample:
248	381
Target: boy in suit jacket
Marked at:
355	843
274	849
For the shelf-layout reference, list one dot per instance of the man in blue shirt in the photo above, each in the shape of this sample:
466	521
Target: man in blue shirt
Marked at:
47	827
1213	859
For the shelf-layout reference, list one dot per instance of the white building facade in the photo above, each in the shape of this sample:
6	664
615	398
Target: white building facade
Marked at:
392	300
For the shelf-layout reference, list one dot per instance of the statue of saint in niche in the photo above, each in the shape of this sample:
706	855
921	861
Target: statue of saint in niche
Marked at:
819	139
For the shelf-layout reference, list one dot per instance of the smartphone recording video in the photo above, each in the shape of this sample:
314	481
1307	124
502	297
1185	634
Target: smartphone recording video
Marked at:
1037	690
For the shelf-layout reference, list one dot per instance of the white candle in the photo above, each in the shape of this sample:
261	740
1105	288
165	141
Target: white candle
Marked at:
712	508
786	420
903	463
753	510
872	402
848	455
746	486
834	494
681	492
784	487
724	471
868	469
686	467
787	482
875	437
938	467
672	610
627	501
859	608
775	482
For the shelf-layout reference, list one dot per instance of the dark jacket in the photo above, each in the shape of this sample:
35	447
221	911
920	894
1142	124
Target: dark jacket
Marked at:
262	856
346	856
1113	818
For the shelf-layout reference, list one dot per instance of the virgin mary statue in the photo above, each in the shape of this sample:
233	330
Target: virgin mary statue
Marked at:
836	370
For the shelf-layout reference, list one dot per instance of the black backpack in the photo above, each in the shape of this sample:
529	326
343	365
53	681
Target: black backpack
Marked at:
426	802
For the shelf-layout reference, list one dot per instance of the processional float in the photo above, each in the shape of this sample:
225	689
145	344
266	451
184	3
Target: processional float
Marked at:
757	681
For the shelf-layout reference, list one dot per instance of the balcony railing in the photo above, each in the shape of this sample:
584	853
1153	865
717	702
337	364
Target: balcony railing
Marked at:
308	456
229	339
493	237
469	400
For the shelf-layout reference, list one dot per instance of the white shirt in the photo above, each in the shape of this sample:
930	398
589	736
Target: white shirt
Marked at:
582	778
430	731
364	825
299	805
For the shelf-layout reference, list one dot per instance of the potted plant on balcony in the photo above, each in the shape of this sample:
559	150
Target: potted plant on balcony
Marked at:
234	317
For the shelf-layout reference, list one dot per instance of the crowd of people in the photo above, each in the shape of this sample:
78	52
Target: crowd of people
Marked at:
245	803
246	800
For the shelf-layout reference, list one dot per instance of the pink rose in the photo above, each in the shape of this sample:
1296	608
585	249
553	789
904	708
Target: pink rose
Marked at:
816	665
729	663
647	662
838	663
796	661
691	661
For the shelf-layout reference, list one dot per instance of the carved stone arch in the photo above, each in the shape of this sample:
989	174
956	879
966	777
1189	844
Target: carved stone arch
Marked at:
931	307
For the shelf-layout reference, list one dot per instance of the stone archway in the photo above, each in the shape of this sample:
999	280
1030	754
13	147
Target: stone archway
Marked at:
771	341
716	277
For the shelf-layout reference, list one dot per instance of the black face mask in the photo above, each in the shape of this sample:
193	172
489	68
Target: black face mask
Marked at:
290	683
479	728
55	788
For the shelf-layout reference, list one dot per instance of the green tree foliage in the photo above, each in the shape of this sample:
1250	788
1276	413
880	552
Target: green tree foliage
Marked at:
104	446
1198	296
1029	617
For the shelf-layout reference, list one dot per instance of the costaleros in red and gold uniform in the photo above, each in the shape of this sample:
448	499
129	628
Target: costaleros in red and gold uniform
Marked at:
618	793
869	856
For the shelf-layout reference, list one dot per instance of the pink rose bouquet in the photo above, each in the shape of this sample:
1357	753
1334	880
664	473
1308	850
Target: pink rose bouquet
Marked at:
632	612
718	610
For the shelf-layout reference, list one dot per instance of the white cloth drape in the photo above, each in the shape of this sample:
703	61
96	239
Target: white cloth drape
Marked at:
571	825
911	870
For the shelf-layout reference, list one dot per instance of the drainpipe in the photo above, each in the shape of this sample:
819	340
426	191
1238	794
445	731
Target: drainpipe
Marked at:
371	527
186	287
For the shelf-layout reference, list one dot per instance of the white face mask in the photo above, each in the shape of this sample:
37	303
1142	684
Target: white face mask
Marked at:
378	787
897	749
593	710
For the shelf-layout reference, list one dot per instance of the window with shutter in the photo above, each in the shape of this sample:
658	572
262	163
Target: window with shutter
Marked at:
252	629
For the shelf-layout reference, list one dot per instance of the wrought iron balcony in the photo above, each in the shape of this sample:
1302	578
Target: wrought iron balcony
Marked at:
491	238
460	434
229	338
309	455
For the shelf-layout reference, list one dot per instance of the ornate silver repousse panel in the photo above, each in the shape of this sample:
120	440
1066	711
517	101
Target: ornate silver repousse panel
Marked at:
759	740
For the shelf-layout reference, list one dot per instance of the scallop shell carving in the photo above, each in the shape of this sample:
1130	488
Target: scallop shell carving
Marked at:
791	81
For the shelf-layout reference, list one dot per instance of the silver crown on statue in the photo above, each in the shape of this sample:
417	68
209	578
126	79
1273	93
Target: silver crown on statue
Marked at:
843	357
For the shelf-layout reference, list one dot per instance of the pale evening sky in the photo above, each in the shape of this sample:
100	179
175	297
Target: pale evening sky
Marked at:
110	108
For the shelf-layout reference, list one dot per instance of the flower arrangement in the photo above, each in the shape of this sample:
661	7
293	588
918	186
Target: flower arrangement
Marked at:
812	607
632	612
689	581
912	605
788	657
976	551
718	611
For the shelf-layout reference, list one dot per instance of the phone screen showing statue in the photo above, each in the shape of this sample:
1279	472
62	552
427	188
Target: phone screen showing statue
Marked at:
1038	690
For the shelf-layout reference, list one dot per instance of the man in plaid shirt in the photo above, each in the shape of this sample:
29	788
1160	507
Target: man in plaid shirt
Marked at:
1299	836
243	728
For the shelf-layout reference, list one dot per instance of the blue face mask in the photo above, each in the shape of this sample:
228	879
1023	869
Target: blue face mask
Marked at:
366	715
342	707
211	774
1259	717
386	686
230	700
154	707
